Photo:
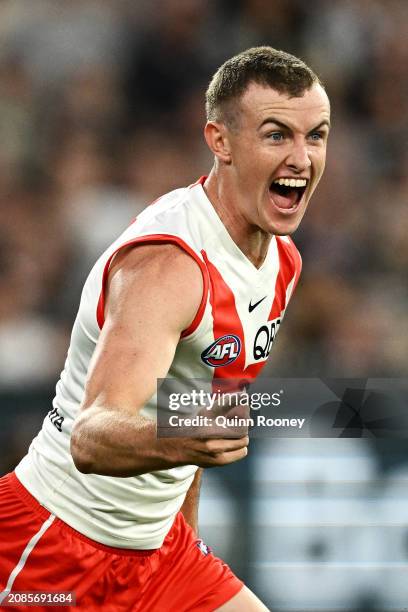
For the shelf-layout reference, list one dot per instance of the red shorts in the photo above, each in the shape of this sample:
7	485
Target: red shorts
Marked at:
39	552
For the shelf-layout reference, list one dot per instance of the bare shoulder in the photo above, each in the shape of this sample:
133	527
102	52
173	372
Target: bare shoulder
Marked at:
155	278
153	294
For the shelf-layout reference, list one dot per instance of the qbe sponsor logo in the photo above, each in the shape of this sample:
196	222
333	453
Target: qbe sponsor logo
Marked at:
222	351
264	339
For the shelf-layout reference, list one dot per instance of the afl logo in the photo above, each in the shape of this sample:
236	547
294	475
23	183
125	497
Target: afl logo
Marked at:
223	351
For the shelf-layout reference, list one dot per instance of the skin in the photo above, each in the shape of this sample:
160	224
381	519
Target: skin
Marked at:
190	505
248	158
149	302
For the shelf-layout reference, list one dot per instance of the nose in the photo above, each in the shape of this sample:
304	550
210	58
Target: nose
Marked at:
298	158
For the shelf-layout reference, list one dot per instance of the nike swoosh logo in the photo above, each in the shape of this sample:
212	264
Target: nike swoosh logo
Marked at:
251	307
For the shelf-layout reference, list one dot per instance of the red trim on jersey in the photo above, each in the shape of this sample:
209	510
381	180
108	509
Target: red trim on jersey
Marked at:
289	266
199	181
225	316
298	262
154	239
225	321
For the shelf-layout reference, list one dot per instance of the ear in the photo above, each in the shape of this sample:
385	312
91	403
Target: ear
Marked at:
216	136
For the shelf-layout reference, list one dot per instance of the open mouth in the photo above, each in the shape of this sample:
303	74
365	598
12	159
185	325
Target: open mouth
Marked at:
287	193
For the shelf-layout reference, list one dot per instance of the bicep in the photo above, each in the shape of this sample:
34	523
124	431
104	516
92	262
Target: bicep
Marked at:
149	303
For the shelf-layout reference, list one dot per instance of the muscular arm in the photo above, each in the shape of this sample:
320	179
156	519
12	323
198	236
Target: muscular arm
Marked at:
153	294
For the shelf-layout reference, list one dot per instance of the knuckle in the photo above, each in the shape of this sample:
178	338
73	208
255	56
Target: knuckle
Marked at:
208	445
222	459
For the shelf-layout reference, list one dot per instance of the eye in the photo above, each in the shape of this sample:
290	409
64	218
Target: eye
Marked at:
316	136
275	136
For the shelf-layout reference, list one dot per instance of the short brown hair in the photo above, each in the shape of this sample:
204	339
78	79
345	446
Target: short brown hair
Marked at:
264	65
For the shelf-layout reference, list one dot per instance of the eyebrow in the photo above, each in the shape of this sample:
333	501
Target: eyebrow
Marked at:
325	122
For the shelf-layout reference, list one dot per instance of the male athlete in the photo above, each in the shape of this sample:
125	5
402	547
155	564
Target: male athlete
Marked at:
101	505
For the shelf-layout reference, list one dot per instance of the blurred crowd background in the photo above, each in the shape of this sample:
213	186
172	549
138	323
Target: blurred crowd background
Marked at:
102	110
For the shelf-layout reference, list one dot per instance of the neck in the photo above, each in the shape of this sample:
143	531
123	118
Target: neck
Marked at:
249	238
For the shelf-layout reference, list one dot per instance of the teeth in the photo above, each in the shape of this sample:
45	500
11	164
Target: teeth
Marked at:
291	182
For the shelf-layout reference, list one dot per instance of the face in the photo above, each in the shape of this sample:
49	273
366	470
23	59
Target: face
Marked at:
277	155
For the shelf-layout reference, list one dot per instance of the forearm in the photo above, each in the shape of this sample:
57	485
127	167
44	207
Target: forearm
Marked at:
190	504
115	444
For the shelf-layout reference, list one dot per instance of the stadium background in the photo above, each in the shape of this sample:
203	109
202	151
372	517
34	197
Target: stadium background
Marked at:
101	111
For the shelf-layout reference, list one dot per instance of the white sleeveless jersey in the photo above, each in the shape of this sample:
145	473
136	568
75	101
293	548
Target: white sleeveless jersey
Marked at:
230	337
